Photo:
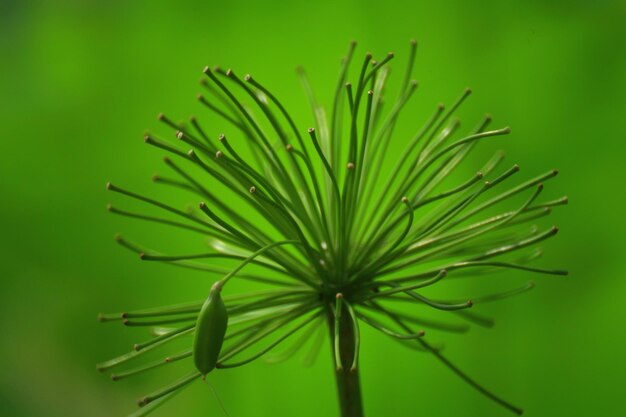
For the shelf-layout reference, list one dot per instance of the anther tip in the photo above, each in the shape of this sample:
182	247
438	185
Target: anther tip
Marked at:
350	166
468	91
117	237
109	207
247	77
370	93
506	130
555	172
191	152
470	303
146	138
125	322
540	186
221	137
479	174
339	295
311	130
100	317
142	256
413	42
289	147
202	205
155	177
114	377
142	401
252	189
179	134
516	168
390	54
421	333
167	360
348	84
200	97
229	72
368	55
488	117
166	159
161	116
554	230
219	154
440	106
206	69
405	200
109	185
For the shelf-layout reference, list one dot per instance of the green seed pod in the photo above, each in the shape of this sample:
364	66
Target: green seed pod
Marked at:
210	330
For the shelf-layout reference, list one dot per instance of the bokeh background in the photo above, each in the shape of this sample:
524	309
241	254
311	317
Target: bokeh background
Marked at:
80	81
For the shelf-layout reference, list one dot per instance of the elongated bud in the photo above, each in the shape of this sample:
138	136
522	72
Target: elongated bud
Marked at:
210	331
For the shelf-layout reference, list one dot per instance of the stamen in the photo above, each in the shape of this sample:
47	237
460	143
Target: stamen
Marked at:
116	189
316	345
133	323
297	345
151	140
457	371
152	365
320	153
104	366
445	118
434	324
411	63
388	332
164	119
165	336
406	289
144	411
272	345
337	339
259	335
350	97
168	389
518	245
524	186
220	112
155	219
357	336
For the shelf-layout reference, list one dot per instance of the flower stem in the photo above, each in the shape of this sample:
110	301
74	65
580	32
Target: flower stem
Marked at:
348	383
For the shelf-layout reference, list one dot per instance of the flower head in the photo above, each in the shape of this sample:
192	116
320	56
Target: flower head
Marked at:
337	237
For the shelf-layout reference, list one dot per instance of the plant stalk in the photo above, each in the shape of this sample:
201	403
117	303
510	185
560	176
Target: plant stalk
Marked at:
348	383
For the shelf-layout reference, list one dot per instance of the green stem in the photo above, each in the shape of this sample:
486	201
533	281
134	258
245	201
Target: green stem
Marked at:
348	383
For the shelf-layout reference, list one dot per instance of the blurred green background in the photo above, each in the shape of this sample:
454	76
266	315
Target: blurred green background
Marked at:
80	81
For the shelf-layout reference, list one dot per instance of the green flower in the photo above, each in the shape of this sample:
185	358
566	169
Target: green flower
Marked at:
334	235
